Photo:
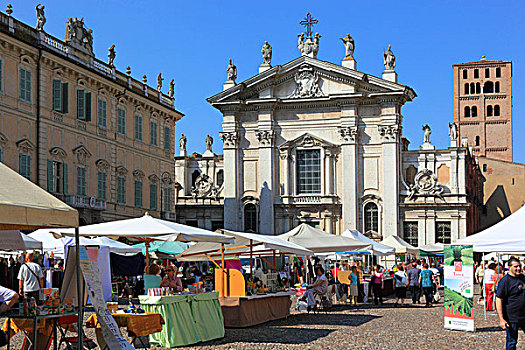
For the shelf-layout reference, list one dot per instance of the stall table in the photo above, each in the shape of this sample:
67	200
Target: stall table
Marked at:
189	318
138	325
256	309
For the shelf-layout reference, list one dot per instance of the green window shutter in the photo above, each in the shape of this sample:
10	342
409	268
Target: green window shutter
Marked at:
65	179
88	107
28	86
50	182
22	84
65	97
81	105
57	95
153	197
0	78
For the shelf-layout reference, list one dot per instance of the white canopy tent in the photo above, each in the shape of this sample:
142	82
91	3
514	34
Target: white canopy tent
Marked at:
116	246
260	244
319	241
52	240
400	245
507	236
14	240
436	248
376	249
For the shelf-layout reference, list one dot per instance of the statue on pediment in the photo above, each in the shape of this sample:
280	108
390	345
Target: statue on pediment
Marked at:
267	53
182	142
453	131
389	59
426	134
232	71
308	47
40	17
77	35
209	142
111	55
349	44
171	91
159	81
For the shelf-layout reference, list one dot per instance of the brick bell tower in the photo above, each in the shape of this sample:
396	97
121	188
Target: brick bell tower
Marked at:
483	107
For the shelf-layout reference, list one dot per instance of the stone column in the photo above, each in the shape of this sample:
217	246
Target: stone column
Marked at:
389	130
232	173
349	153
285	157
265	136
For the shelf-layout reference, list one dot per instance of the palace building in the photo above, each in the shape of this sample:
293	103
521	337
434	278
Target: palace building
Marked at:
88	133
315	142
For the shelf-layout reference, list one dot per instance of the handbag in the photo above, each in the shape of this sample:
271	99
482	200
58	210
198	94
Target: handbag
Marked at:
437	296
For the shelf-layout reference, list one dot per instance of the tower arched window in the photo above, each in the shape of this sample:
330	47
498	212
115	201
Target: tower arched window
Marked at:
498	72
487	72
488	87
477	140
478	88
474	111
496	111
467	111
476	73
466	89
465	74
250	218
371	218
472	88
496	87
489	111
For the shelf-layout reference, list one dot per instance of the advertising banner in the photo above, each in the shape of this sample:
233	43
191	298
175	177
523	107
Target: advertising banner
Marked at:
459	287
110	329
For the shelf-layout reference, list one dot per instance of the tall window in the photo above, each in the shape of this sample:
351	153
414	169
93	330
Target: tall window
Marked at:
167	138
153	196
81	181
250	218
138	193
496	110
102	114
121	190
466	89
443	234
308	171
496	87
489	111
478	88
498	72
465	74
371	218
138	127
476	73
83	105
153	133
60	96
487	72
102	178
121	121
167	199
488	87
24	165
474	111
25	85
220	178
478	141
410	234
55	176
472	88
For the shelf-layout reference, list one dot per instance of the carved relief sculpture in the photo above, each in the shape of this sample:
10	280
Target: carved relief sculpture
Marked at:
388	131
389	59
425	184
265	137
204	187
40	17
348	42
307	82
78	36
267	53
349	133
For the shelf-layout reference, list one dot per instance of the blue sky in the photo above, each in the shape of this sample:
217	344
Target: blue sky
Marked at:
191	42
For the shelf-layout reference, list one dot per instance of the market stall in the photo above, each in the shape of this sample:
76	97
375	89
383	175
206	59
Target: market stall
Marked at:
269	302
26	206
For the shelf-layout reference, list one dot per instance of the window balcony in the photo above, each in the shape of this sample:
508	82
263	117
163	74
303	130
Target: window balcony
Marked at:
310	199
77	201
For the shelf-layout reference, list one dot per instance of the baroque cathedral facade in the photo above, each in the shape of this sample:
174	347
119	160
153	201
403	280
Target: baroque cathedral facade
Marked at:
315	142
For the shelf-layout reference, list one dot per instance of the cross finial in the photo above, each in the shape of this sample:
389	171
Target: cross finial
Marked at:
308	22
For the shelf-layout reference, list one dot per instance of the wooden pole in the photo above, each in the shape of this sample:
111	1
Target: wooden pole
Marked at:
222	267
274	261
146	243
80	299
251	260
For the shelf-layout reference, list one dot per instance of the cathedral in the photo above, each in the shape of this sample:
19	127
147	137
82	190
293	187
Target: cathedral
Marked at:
322	143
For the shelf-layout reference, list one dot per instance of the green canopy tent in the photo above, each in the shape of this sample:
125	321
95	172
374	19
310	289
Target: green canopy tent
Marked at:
160	248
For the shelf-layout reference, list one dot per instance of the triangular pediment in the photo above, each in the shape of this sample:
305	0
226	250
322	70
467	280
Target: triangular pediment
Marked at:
306	140
306	78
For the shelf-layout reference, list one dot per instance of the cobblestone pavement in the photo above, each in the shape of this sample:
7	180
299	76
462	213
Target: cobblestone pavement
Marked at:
364	327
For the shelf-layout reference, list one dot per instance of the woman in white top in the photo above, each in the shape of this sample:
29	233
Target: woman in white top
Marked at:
401	283
320	286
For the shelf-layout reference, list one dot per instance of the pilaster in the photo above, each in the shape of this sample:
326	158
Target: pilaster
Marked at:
349	134
232	172
265	136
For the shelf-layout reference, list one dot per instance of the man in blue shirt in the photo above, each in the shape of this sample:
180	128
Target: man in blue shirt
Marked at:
413	283
510	302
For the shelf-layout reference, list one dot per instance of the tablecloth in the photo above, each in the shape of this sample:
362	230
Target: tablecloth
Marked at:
189	318
44	330
140	325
